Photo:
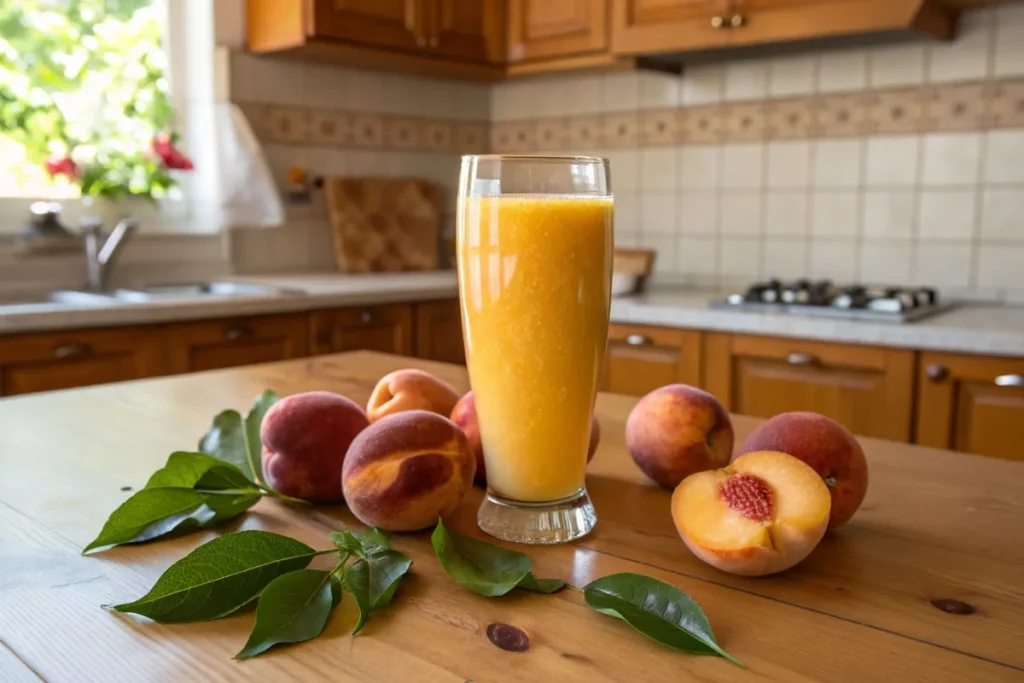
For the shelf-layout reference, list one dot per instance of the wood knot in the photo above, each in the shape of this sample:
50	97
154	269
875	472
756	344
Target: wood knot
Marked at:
951	606
508	637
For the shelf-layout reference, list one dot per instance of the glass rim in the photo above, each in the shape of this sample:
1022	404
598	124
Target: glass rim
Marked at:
580	159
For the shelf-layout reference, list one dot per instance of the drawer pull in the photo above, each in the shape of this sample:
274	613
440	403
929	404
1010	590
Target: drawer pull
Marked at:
1010	380
638	340
366	316
717	22
72	350
237	332
937	373
801	359
737	20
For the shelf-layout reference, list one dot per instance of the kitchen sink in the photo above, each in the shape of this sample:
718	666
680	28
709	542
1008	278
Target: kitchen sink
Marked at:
62	296
200	290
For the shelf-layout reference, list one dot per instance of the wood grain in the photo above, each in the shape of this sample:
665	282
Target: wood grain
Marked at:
935	525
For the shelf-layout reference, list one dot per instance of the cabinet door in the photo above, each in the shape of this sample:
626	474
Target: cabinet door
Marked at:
61	360
971	403
208	345
372	328
868	389
467	29
384	23
646	26
439	332
640	359
544	29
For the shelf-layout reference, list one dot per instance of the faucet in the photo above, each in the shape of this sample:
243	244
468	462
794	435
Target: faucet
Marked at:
100	254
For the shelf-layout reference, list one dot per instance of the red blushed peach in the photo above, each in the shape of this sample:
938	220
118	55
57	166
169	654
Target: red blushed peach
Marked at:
677	430
305	438
828	447
406	470
410	389
464	415
761	515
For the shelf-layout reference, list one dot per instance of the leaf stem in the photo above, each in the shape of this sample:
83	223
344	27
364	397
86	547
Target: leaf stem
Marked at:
318	553
574	588
270	493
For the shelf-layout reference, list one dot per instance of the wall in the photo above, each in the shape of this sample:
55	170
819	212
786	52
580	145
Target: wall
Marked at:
898	164
337	121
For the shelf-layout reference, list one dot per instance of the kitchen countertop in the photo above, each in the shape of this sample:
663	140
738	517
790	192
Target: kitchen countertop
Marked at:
970	328
935	526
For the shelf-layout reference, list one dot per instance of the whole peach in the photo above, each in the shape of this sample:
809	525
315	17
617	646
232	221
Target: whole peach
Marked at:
406	470
410	389
677	430
828	447
305	438
464	415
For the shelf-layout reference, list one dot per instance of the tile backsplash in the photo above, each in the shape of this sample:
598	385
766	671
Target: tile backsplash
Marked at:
894	164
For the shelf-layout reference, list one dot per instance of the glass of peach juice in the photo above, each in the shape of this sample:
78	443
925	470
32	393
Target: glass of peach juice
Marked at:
534	258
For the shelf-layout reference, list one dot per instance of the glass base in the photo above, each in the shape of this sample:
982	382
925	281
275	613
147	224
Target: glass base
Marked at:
552	522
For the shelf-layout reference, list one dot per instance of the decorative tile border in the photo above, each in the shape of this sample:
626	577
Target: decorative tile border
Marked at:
294	125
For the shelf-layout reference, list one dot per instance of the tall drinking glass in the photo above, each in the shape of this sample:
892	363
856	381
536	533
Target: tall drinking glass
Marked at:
534	254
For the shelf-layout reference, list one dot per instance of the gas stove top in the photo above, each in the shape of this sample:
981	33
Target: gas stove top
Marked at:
823	298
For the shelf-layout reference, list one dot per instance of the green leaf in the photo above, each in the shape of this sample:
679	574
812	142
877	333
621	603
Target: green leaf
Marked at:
532	583
485	569
293	608
659	611
237	441
373	580
219	577
372	540
201	471
154	512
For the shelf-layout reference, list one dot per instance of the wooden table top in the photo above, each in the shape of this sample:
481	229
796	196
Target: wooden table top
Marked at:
935	526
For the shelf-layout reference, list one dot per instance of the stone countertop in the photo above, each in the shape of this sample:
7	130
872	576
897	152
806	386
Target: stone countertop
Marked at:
969	328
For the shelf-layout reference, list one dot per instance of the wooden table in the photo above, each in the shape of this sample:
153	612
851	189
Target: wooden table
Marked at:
935	526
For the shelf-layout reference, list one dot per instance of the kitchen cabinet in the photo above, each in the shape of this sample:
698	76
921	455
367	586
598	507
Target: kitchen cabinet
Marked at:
868	389
466	29
209	345
971	403
646	26
439	332
372	328
547	29
60	360
641	358
383	23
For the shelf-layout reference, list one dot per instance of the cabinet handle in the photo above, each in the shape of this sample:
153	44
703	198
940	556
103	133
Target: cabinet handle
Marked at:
638	340
717	22
366	316
421	41
801	359
937	373
737	20
236	332
72	350
323	337
1010	381
434	42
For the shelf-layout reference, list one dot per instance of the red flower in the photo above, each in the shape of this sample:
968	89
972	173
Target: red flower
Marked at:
170	155
64	166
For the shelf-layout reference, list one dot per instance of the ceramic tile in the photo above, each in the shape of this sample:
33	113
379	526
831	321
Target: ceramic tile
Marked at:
368	130
739	257
329	127
289	124
552	134
946	214
1002	214
1004	157
702	84
943	265
892	161
791	75
957	107
744	121
965	58
659	212
835	213
785	258
628	215
698	213
841	115
659	127
1006	104
888	214
586	132
402	133
699	167
584	95
1000	266
745	80
509	101
658	168
325	86
786	213
549	98
1008	45
621	130
742	166
833	259
696	255
885	262
740	213
665	245
896	65
951	158
788	164
895	111
438	136
659	90
698	125
844	71
472	102
837	163
621	91
625	165
789	120
472	138
626	239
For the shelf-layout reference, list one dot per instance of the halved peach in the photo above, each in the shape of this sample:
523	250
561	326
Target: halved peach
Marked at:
762	514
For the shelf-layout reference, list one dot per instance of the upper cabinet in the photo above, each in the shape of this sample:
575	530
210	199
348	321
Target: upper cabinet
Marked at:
384	23
466	29
546	29
641	26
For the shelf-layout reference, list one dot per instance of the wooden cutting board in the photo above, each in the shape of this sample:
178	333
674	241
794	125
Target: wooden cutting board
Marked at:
384	224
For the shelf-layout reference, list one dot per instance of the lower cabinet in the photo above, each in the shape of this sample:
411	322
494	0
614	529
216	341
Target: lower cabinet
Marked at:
372	328
209	345
439	332
61	360
868	389
642	358
971	403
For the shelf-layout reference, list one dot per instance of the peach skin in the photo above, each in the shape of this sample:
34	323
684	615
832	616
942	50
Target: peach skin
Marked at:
410	389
